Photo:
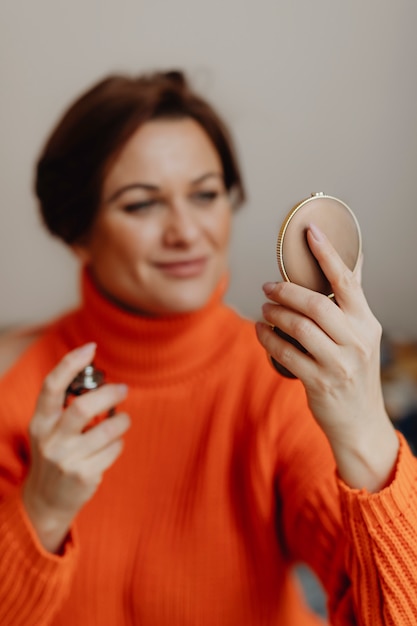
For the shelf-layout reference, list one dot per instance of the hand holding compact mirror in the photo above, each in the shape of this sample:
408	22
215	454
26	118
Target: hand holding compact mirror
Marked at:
295	259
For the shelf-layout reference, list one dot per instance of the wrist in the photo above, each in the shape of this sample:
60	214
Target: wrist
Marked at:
51	527
366	459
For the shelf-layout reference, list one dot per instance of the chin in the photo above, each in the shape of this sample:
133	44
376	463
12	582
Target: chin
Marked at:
188	306
187	302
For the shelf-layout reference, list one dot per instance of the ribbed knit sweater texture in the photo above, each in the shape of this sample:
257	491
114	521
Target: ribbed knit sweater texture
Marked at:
225	481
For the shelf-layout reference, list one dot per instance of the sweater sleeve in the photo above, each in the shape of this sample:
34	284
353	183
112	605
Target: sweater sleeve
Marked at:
381	531
362	546
33	582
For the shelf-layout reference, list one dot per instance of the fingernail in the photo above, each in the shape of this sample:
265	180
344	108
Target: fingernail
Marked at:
87	348
259	326
316	232
268	288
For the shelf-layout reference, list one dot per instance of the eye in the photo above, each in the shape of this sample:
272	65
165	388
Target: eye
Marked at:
137	207
205	197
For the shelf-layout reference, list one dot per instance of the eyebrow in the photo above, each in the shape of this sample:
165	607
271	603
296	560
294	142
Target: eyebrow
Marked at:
149	187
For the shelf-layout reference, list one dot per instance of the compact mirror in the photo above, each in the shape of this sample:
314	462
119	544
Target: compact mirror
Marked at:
295	259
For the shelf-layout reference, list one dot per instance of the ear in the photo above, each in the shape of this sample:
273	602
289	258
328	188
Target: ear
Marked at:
82	252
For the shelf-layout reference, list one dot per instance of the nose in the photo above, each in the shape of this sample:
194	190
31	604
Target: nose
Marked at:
182	226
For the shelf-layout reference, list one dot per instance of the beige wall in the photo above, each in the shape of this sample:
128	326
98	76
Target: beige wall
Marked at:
321	95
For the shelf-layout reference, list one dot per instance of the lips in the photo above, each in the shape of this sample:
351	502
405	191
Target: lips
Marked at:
183	269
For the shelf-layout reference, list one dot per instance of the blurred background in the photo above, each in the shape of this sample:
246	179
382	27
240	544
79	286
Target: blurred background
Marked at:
320	96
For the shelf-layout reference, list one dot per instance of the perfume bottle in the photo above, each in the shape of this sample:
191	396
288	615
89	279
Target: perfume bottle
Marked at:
88	379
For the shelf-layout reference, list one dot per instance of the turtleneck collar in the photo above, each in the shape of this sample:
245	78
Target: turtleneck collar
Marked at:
136	349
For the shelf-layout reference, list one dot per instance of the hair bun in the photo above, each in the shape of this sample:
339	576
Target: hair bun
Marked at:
177	77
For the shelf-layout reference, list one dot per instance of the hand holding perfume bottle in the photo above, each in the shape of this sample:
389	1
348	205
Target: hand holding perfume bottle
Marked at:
68	455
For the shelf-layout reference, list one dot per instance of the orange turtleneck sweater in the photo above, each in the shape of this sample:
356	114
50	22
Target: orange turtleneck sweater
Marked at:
224	482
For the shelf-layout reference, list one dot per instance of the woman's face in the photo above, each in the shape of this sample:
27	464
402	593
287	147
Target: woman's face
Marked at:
160	239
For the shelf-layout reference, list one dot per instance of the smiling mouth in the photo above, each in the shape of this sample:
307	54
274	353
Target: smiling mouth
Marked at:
184	269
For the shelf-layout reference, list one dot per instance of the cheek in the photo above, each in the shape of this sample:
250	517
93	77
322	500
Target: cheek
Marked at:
222	229
126	241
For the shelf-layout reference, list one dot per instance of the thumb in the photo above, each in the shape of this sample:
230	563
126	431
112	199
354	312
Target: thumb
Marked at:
357	272
52	395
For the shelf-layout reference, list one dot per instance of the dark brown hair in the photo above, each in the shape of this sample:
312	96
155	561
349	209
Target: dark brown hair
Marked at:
71	167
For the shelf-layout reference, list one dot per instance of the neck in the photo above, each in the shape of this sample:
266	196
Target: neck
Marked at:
135	348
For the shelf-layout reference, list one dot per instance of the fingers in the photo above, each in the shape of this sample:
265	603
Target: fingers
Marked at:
90	471
301	312
87	445
297	362
105	446
51	397
300	328
83	408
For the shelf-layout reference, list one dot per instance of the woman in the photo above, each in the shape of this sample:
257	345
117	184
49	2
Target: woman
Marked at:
215	475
